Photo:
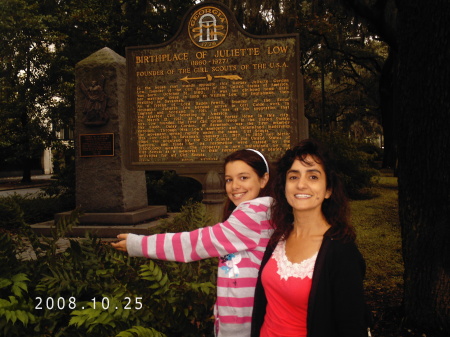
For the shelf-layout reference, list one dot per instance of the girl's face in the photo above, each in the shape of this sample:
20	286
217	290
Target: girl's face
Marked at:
242	183
306	186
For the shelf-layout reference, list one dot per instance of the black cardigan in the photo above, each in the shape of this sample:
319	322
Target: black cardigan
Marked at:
336	306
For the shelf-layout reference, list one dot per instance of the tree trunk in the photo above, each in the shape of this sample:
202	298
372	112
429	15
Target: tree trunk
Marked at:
422	106
26	148
26	172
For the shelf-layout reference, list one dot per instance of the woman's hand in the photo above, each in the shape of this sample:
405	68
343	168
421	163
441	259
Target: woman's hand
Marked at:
121	245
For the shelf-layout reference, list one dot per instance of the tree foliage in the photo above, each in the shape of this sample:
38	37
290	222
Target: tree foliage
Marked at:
40	43
43	40
341	61
26	95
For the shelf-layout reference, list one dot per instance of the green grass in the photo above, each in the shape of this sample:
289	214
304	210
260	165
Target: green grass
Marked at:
379	239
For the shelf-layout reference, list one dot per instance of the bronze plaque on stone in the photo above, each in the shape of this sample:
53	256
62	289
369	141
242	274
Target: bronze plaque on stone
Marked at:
211	90
97	145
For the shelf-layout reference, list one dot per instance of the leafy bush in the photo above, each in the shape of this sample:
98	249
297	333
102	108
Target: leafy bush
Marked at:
54	294
39	208
11	214
355	166
58	197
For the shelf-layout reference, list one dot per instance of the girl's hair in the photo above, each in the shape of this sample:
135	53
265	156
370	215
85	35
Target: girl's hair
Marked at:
335	209
257	162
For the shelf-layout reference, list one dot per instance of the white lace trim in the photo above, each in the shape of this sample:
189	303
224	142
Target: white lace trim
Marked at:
288	269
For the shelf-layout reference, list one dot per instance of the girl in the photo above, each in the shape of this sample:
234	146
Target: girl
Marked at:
311	277
240	241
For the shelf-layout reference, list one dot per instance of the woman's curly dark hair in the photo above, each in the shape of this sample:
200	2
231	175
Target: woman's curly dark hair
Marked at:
335	209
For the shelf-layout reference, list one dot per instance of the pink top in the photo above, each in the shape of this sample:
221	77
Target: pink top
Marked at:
287	286
240	243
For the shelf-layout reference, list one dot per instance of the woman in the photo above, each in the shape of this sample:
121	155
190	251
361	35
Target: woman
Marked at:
311	276
240	241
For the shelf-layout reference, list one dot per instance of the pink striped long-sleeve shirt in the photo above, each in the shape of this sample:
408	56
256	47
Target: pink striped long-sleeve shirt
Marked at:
240	241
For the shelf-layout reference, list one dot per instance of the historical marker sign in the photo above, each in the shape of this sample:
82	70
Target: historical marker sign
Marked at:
211	90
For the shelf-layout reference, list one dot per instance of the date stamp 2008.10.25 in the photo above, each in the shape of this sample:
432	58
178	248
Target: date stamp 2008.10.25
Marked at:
103	303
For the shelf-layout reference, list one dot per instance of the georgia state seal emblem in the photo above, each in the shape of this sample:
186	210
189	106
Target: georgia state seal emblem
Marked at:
208	27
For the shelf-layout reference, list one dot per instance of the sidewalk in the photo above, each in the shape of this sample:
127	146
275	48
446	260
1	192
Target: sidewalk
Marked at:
14	183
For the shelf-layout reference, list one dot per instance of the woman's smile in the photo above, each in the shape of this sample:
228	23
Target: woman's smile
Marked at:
303	196
306	185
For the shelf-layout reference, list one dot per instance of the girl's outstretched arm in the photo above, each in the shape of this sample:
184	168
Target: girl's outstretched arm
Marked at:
244	230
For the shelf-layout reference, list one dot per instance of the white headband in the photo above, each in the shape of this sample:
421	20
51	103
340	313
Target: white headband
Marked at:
261	155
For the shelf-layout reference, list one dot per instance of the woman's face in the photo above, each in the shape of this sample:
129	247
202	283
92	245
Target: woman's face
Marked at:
242	183
306	185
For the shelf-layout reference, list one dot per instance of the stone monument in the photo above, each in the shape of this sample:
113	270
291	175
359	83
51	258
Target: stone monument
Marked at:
106	190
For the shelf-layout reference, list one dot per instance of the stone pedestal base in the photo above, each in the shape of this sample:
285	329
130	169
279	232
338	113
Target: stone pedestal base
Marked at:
213	196
125	218
104	231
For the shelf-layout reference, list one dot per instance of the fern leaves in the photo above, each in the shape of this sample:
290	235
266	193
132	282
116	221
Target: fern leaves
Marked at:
151	272
16	308
139	331
12	310
134	297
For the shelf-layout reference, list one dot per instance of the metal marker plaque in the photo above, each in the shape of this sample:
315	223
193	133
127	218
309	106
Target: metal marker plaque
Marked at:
211	90
97	145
